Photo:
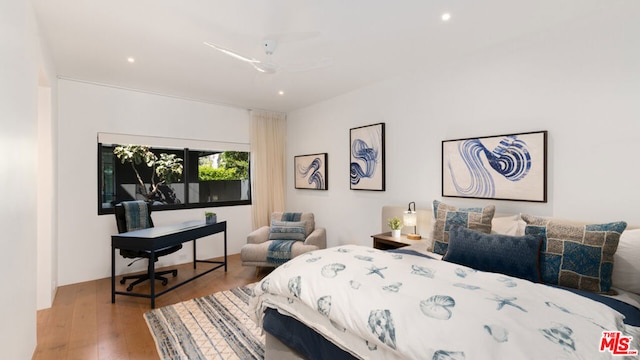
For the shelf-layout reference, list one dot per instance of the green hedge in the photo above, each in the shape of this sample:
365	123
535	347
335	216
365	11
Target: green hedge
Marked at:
206	173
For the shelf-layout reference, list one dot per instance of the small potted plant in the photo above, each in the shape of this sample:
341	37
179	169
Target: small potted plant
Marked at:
396	225
210	217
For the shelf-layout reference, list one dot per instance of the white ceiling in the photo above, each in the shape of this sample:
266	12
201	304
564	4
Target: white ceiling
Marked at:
367	40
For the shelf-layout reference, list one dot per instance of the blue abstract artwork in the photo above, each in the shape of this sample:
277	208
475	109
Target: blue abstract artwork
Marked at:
508	167
367	158
311	171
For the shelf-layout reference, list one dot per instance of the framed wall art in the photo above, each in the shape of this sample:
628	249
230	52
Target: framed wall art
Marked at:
311	171
367	157
504	167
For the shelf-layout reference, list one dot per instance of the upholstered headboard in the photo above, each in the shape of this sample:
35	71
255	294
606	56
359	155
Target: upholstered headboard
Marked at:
425	219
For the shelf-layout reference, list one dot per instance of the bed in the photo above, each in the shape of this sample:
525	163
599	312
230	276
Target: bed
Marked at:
413	303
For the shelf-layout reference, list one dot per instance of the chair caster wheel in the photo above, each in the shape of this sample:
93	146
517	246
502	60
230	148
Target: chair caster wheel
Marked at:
175	273
130	287
122	281
165	282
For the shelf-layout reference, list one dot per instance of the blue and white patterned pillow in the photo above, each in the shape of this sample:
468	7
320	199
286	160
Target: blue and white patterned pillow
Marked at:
517	256
446	216
287	230
576	255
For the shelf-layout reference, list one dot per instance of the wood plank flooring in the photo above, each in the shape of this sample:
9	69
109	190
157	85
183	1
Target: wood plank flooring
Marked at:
83	324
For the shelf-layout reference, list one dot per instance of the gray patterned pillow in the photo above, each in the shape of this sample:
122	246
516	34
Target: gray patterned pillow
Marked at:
308	218
576	255
287	230
446	216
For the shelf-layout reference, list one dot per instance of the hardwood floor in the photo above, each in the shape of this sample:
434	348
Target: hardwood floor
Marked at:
83	323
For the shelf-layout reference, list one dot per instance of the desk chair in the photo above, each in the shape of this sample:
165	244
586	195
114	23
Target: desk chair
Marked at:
136	215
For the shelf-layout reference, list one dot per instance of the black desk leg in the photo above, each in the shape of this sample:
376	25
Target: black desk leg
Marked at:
194	253
225	250
152	277
113	275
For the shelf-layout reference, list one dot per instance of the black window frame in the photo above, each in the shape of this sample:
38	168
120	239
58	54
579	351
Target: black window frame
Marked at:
184	205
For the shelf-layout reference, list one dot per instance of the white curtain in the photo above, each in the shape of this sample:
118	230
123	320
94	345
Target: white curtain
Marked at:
268	137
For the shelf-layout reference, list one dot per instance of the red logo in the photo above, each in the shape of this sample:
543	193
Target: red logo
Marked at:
616	343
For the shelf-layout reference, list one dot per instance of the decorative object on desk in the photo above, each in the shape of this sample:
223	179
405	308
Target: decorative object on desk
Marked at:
210	218
216	326
310	171
396	226
367	157
165	169
410	218
505	167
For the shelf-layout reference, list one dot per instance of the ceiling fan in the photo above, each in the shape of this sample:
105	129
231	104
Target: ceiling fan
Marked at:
267	66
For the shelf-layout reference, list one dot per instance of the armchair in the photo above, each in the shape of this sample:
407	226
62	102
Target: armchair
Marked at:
257	252
136	215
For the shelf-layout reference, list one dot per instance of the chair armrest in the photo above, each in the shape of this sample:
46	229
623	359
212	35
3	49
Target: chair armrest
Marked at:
318	238
258	236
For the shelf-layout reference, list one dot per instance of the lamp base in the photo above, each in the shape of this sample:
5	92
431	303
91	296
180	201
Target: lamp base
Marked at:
414	236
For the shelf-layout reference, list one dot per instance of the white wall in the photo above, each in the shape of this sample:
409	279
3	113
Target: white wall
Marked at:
47	244
579	81
84	110
18	137
47	273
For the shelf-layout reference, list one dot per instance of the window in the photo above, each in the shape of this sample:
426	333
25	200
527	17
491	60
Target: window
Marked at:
183	178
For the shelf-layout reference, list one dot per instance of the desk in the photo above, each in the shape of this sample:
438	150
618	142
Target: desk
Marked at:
156	238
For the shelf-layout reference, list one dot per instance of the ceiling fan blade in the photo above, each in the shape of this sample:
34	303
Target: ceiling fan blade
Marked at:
265	67
233	54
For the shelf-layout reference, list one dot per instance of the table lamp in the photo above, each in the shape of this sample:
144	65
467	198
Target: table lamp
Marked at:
410	218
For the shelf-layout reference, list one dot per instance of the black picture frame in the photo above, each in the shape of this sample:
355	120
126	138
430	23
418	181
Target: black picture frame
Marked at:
502	167
311	171
367	157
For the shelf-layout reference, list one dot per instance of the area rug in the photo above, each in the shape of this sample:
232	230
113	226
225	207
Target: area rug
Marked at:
216	326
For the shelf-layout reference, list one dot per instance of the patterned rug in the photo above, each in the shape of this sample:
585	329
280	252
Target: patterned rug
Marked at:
216	326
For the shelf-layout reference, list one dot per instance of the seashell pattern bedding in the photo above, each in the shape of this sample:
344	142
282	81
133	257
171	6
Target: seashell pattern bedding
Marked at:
384	305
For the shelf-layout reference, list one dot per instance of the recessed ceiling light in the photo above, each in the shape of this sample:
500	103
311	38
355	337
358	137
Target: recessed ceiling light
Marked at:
446	17
280	92
131	60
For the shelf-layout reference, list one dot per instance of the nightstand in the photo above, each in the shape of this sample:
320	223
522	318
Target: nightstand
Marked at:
385	241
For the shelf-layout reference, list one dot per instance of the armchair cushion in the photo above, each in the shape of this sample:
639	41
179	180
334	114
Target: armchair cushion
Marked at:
287	230
308	218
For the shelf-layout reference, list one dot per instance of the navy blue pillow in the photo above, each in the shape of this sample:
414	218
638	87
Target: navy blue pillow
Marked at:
517	256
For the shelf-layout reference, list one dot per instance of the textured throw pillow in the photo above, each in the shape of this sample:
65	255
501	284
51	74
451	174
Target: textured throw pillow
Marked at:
287	230
576	255
446	216
308	218
626	260
517	256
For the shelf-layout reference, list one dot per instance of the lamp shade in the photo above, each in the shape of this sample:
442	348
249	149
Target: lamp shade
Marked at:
409	218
